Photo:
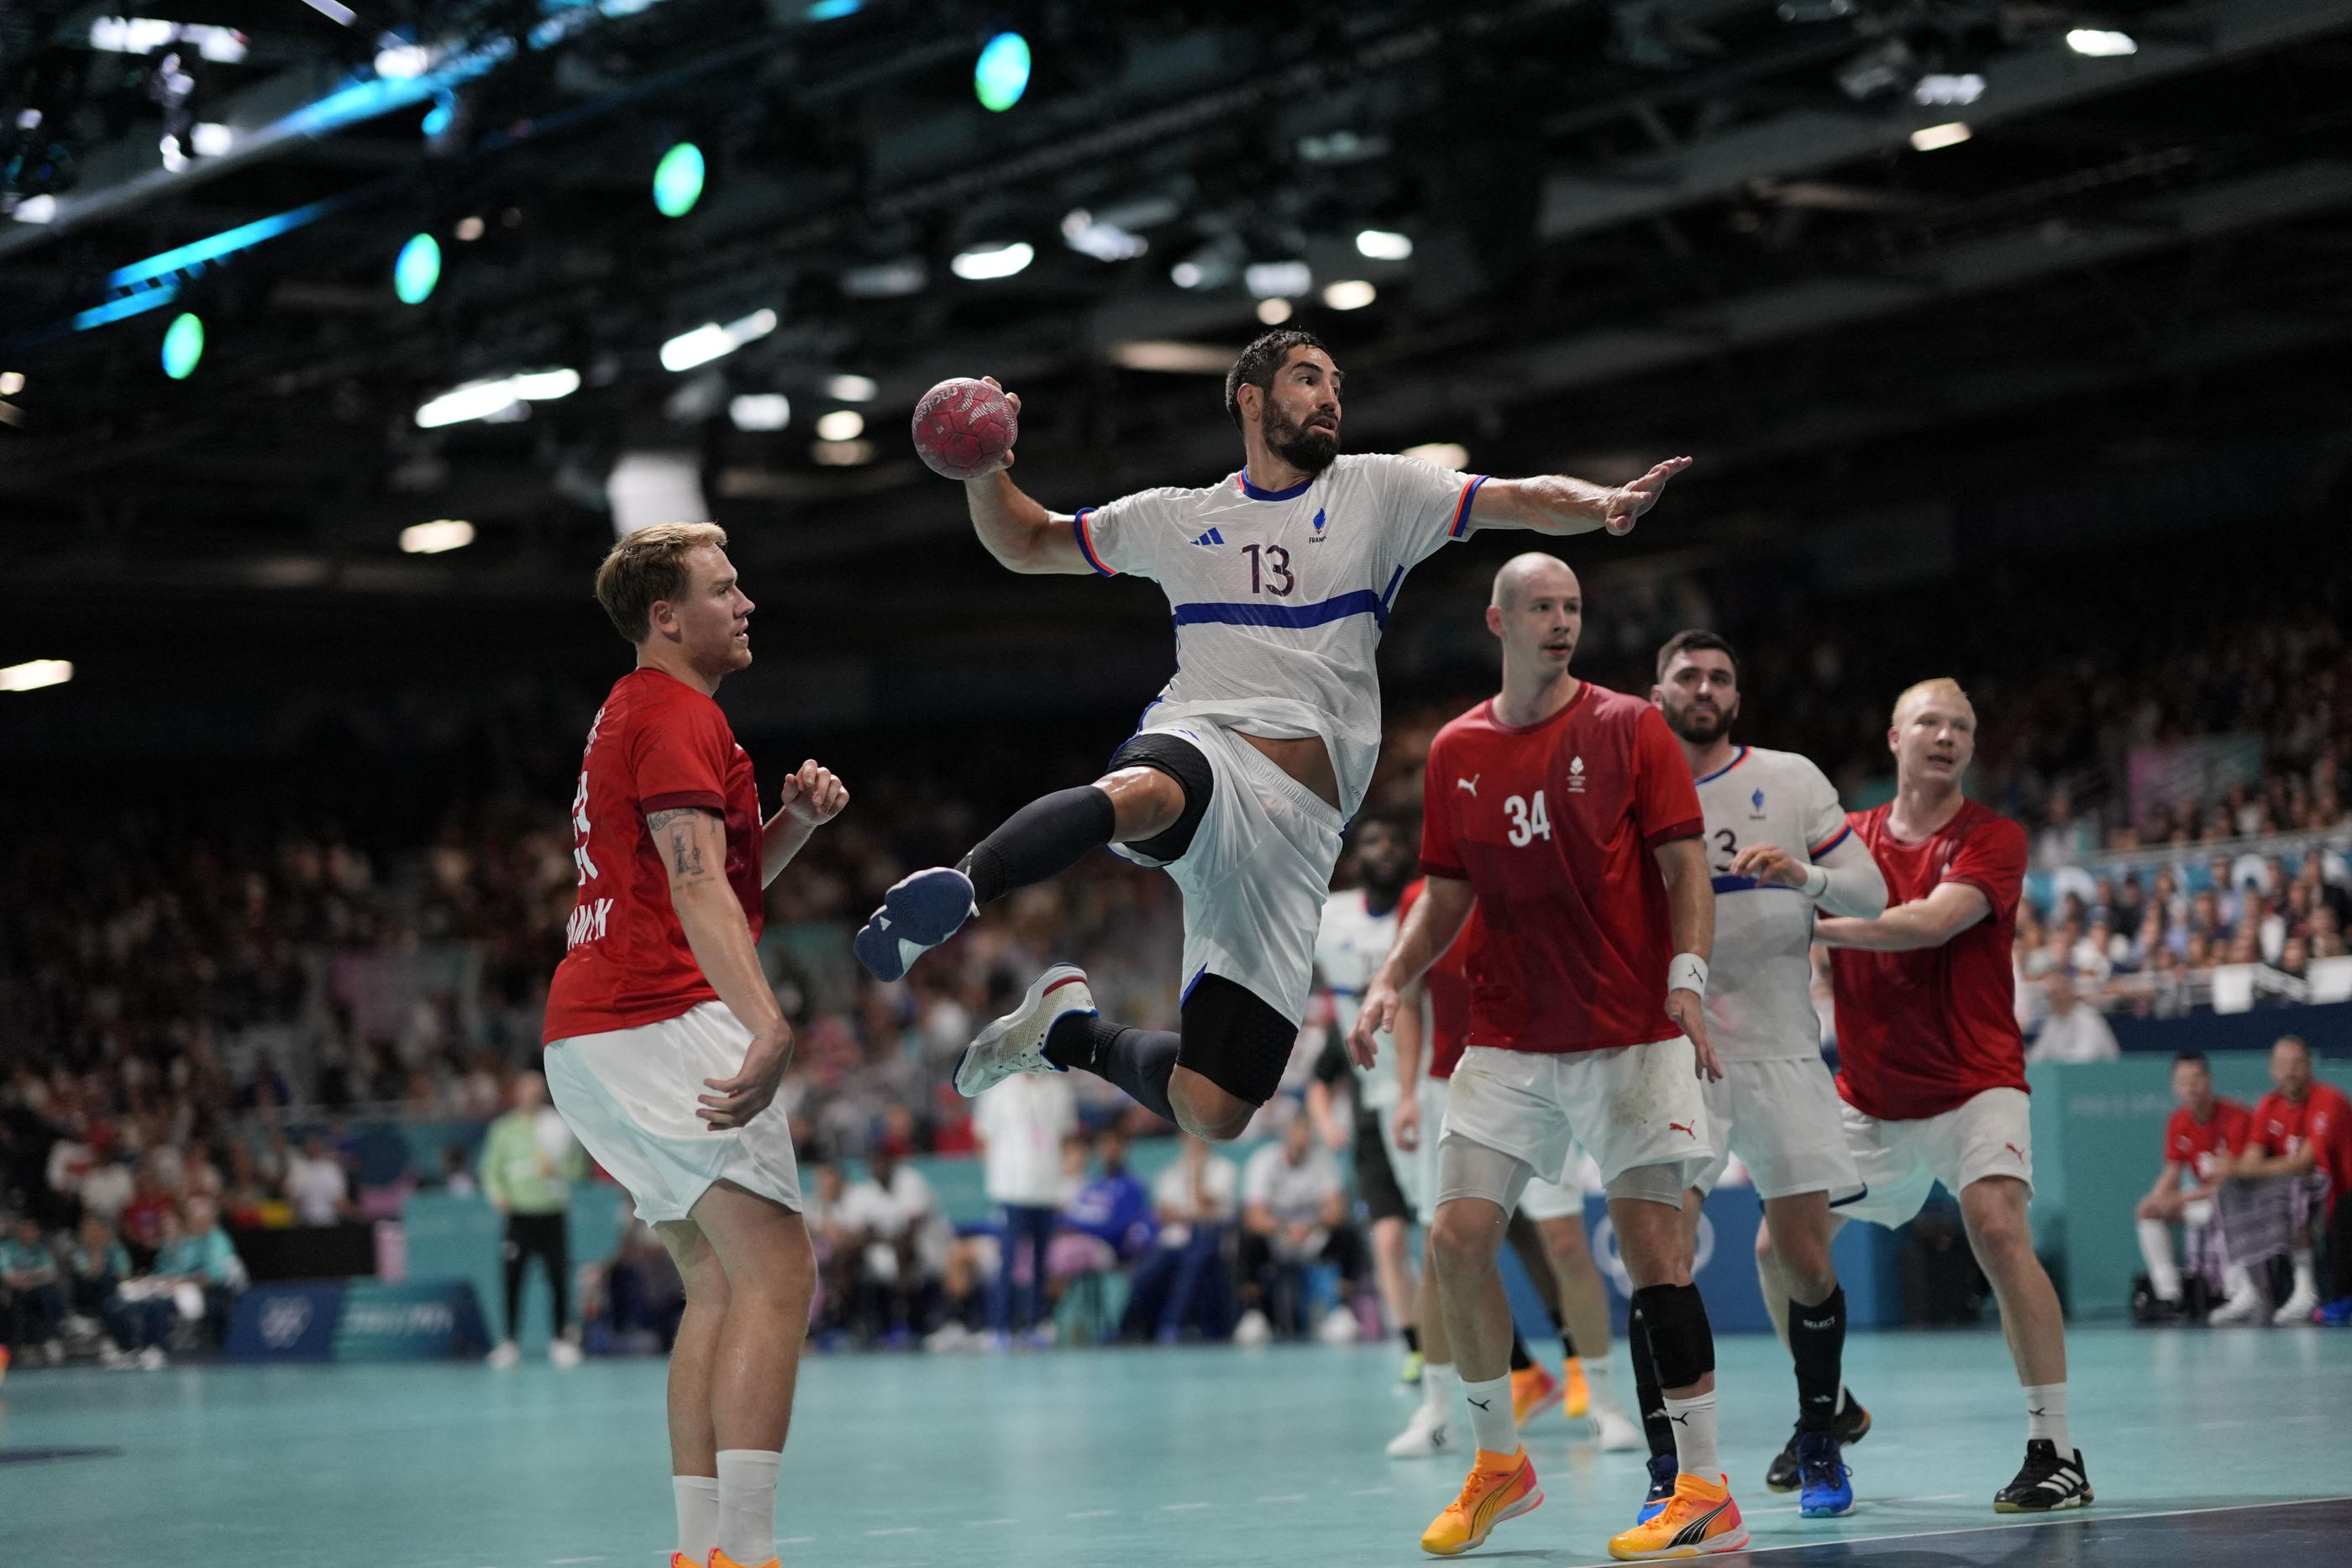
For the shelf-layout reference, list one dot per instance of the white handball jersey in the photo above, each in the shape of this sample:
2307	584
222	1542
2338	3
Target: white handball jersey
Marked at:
1280	596
1759	1003
1347	949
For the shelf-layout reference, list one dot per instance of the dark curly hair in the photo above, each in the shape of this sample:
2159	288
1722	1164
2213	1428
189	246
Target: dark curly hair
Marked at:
1260	360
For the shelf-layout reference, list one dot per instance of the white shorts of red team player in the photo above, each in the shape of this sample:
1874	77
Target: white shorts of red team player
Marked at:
1630	1106
1991	1134
630	1096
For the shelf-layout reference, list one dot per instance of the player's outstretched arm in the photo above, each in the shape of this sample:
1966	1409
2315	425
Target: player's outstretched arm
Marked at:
1019	532
1436	920
692	844
1690	912
1928	922
808	800
1556	503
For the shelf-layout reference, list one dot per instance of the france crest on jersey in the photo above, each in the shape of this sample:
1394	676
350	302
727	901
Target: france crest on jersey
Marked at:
1760	988
1280	597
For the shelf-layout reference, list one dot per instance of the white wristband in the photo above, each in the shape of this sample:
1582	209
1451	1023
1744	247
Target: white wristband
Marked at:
1687	973
1817	881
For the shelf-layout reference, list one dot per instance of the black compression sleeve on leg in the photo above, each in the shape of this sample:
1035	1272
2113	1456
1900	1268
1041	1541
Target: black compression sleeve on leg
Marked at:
1140	1061
1681	1343
1041	839
1817	1341
1654	1423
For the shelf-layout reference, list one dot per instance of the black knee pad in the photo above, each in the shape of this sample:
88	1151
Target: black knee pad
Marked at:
1236	1038
1682	1344
1183	761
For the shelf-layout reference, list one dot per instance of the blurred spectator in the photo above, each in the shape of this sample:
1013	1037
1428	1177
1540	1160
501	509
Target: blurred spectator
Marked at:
899	1240
1106	1220
1294	1213
96	1265
35	1297
458	1174
198	1265
316	1184
1182	1281
1018	1126
530	1161
2073	1032
107	1188
634	1299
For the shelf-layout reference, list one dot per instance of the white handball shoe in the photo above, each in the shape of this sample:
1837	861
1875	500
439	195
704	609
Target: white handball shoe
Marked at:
508	1355
2297	1307
1428	1433
563	1353
2248	1307
1252	1330
1016	1042
1614	1430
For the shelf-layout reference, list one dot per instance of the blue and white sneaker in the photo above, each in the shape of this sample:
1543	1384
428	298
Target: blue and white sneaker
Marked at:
1825	1484
1016	1042
1664	1468
919	912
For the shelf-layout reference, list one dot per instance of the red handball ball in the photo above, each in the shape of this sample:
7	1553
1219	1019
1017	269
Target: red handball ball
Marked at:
963	428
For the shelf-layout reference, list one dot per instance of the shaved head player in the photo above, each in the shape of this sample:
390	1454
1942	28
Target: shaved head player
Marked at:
1281	577
665	1045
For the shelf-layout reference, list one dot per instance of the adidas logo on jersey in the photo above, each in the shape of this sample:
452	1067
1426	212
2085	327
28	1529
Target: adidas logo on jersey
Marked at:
1211	537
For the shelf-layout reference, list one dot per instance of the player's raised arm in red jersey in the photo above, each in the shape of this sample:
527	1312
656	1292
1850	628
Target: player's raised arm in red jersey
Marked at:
809	798
1933	738
1556	503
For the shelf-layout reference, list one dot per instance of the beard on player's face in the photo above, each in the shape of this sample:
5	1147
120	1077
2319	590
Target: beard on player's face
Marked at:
1305	444
1698	722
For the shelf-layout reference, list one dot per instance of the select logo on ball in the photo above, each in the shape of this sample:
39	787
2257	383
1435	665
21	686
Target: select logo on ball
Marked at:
963	428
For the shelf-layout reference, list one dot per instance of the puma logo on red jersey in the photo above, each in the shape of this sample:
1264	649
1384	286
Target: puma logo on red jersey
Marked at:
1470	784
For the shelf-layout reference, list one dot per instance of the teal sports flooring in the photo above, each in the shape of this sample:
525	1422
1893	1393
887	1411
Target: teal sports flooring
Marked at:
1139	1457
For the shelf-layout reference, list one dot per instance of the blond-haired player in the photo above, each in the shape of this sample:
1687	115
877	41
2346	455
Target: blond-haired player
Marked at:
1931	1063
665	1045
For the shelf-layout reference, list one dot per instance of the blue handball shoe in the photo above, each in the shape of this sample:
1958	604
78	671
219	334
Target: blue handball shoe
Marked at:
918	914
1825	1484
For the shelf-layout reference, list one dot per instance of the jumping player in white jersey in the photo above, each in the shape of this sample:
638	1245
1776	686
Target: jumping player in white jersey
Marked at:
1281	575
1778	842
1358	927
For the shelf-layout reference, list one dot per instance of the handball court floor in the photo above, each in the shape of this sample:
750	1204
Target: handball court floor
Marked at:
2204	1448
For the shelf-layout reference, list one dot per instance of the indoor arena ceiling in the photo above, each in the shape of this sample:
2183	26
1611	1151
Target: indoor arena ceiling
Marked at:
1843	250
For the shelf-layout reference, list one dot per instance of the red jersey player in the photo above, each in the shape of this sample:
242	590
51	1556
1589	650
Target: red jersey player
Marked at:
2198	1139
665	1045
1566	813
1931	1063
2301	1127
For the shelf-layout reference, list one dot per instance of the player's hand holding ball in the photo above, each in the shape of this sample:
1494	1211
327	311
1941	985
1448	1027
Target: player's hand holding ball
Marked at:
964	429
813	796
1628	502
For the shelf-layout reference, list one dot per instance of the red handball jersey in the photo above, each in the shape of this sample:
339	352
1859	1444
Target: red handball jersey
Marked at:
657	743
2323	1121
1923	1033
2191	1142
1554	824
1448	984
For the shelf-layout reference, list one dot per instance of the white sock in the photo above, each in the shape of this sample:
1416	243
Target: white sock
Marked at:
2236	1282
2045	1415
1490	1414
1694	1422
2155	1251
2305	1283
698	1515
1437	1386
1603	1387
747	1504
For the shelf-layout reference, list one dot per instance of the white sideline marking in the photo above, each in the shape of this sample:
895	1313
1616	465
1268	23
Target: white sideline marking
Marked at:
1180	1507
1286	1497
896	1529
2029	1522
1092	1513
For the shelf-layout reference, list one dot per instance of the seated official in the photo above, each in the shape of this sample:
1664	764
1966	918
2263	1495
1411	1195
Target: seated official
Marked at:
32	1296
2276	1188
1182	1280
2197	1140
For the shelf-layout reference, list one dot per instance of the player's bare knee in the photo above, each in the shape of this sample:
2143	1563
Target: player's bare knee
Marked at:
1207	1111
1145	802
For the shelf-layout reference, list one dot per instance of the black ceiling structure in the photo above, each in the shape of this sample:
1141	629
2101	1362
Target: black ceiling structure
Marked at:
1637	226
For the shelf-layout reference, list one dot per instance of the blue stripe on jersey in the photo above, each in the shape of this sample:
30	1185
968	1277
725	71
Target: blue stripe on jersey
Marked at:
1747	885
1818	850
1296	617
1727	768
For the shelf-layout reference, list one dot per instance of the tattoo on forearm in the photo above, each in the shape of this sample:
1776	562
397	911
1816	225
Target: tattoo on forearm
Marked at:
675	831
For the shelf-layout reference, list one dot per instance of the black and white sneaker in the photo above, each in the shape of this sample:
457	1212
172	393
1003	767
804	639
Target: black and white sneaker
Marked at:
2047	1483
1015	1043
918	914
1851	1424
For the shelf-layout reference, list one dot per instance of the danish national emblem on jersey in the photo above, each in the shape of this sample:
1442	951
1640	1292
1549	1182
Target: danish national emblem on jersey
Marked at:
1576	775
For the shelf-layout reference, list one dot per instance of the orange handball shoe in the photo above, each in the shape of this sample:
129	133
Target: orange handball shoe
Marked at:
1531	1391
721	1560
1578	1399
1698	1521
1501	1487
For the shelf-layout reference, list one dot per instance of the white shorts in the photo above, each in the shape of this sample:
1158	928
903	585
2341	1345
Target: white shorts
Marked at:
1556	1199
1416	1171
1630	1106
1255	875
630	1096
1783	1120
1901	1162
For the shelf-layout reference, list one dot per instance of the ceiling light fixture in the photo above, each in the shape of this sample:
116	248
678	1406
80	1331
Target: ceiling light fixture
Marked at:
1930	138
989	262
